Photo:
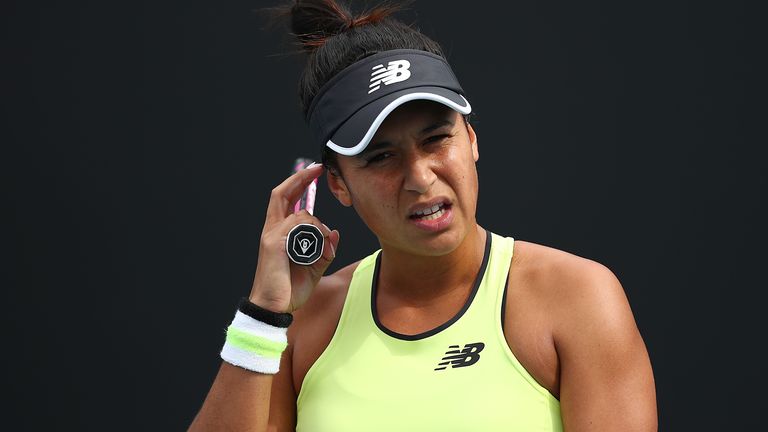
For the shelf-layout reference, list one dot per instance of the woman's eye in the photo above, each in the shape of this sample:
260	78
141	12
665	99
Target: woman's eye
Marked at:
436	138
379	157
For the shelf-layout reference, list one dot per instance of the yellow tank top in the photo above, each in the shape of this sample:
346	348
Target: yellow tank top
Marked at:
460	376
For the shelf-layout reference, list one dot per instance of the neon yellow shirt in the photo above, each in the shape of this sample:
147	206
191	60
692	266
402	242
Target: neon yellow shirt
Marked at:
460	376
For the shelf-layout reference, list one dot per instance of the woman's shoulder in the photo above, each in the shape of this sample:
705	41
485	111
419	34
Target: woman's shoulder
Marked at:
546	262
328	295
558	277
577	292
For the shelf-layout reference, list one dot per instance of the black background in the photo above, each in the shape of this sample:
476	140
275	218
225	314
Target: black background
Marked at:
140	143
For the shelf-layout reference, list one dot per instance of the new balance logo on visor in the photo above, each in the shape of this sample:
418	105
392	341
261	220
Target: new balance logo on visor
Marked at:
461	358
396	71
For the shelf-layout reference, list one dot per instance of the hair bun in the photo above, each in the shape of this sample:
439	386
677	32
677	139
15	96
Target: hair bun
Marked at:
314	21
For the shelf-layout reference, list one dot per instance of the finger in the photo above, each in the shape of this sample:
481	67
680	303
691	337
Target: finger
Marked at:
333	241
326	231
329	252
289	191
304	217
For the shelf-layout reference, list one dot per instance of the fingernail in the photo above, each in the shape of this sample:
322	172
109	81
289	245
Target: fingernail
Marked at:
312	165
326	226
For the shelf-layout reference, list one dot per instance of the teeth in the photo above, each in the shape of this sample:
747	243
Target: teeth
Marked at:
433	216
429	211
436	214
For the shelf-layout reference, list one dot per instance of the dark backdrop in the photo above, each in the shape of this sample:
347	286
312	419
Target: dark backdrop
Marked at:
140	143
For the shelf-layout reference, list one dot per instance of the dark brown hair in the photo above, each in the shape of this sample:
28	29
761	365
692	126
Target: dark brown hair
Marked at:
334	38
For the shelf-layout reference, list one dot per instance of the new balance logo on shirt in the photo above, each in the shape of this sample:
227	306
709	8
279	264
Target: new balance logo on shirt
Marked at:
457	358
396	71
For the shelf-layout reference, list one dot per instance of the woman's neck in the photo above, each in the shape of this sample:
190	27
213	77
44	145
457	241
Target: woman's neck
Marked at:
421	280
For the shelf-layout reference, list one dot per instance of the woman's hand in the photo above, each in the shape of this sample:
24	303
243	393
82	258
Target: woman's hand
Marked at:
280	285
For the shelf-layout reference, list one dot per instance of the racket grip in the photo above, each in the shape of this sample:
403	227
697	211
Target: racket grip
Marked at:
304	243
307	200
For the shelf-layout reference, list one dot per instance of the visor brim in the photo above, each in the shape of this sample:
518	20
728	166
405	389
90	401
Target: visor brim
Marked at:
353	136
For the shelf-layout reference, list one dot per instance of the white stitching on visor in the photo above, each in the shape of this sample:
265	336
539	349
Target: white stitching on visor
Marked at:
351	151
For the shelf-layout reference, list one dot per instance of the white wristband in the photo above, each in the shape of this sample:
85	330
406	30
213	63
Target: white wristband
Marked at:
254	345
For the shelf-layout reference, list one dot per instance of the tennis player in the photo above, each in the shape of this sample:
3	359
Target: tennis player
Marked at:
448	326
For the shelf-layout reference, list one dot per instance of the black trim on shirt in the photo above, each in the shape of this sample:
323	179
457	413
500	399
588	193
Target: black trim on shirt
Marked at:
438	329
504	304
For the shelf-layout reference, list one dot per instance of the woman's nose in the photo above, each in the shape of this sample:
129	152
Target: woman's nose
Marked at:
419	174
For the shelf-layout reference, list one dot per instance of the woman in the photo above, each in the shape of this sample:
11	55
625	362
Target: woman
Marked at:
448	326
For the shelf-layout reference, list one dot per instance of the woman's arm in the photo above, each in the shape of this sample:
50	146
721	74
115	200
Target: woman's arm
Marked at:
606	381
240	399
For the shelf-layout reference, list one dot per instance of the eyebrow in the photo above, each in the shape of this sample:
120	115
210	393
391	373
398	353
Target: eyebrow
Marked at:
437	125
379	144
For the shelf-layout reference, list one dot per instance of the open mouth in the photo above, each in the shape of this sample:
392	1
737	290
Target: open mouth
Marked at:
431	213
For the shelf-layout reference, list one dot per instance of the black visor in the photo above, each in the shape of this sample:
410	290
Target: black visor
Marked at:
349	108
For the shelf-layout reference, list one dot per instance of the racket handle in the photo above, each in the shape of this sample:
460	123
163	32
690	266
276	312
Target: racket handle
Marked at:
305	242
307	200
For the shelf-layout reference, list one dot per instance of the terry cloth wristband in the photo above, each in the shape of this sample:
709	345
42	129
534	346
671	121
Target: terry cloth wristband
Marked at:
256	338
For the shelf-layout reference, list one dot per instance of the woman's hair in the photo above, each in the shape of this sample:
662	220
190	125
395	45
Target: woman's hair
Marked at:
335	38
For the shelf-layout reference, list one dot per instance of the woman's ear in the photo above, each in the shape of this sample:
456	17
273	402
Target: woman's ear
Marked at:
338	187
473	141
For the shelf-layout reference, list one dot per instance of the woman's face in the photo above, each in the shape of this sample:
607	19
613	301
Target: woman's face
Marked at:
415	185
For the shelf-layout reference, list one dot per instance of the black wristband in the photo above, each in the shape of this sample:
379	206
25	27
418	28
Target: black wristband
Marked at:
277	319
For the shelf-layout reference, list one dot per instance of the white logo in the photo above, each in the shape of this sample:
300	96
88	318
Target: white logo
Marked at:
396	71
304	244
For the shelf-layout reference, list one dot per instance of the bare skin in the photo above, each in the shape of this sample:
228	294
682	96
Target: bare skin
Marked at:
566	319
239	400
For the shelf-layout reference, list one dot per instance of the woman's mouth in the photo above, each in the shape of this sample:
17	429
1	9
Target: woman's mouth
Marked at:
431	213
433	219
